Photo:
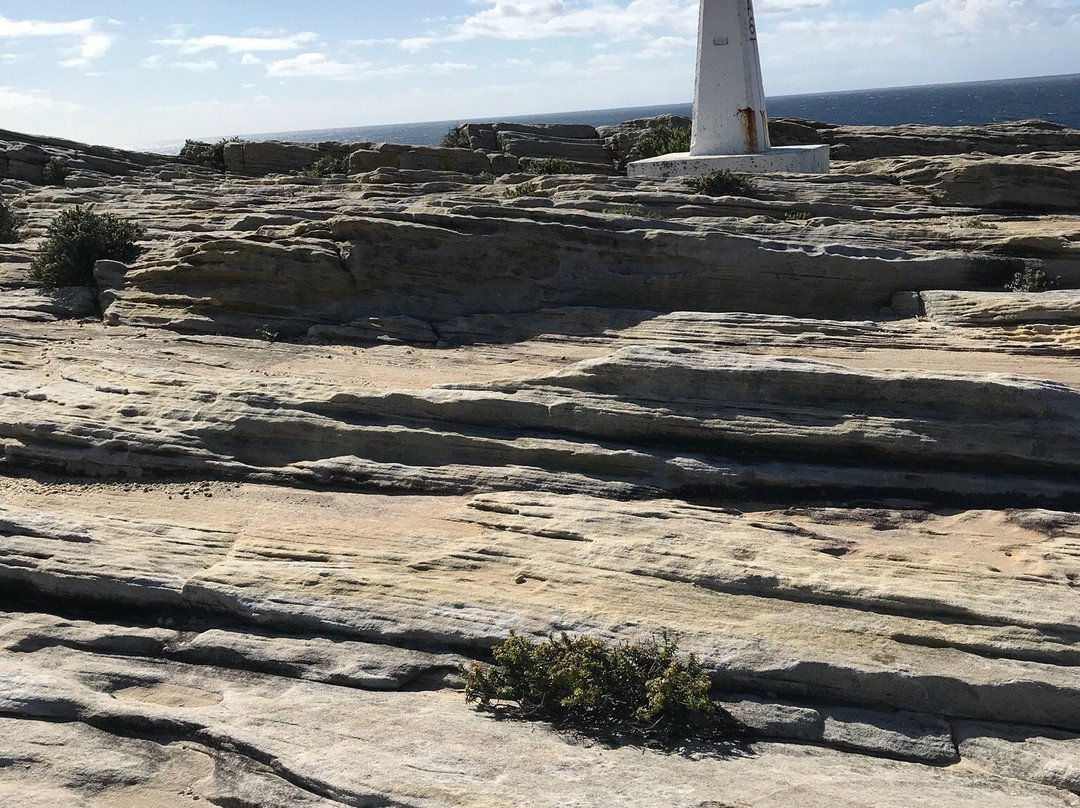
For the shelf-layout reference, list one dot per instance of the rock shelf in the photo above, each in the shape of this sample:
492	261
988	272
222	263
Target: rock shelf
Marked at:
263	490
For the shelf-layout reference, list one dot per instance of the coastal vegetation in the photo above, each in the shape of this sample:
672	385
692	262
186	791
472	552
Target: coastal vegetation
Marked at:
545	166
10	222
56	171
635	211
76	240
327	166
724	183
457	138
530	188
662	138
211	155
1031	279
647	692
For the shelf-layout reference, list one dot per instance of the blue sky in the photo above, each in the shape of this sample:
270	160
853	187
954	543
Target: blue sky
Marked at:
125	72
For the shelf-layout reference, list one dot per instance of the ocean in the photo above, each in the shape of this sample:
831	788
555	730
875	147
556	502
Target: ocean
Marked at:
1049	98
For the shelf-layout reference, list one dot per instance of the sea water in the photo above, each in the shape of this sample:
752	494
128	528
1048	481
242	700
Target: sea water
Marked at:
1048	98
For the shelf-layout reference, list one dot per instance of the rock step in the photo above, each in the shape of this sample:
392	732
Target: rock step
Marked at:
226	740
439	266
1002	308
645	419
447	589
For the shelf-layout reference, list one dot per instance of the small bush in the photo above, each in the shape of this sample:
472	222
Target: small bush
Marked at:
327	166
76	240
646	692
1031	279
457	138
56	171
531	188
661	139
264	333
211	155
723	183
636	211
542	166
10	222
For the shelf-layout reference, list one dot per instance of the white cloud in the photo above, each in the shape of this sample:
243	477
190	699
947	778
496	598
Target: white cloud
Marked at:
967	14
16	29
96	45
206	66
250	59
93	46
90	45
787	6
314	65
240	44
933	41
369	43
542	19
431	69
21	100
318	65
665	47
606	63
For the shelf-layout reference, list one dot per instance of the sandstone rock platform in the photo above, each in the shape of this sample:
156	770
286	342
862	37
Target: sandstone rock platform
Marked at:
263	490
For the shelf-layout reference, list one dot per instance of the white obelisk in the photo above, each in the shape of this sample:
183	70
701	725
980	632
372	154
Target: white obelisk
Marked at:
731	127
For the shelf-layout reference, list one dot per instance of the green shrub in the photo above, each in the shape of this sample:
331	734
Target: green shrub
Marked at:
648	692
661	139
77	239
211	155
635	211
10	222
542	166
264	333
530	188
56	171
1031	279
327	166
723	183
457	138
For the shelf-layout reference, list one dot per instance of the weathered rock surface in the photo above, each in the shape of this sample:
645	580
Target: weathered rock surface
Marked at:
1007	138
33	304
1043	181
1003	308
259	159
1040	755
743	424
437	266
857	143
23	157
406	749
335	436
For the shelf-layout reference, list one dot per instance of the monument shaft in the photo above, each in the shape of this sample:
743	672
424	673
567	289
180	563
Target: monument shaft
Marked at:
731	129
729	100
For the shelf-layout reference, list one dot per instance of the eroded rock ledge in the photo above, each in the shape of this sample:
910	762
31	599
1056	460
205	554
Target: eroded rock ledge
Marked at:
263	490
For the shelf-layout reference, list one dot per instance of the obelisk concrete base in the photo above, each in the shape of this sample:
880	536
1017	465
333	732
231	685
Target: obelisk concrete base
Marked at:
783	159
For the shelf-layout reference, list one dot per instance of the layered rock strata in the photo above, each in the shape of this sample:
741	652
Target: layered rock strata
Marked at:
263	490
